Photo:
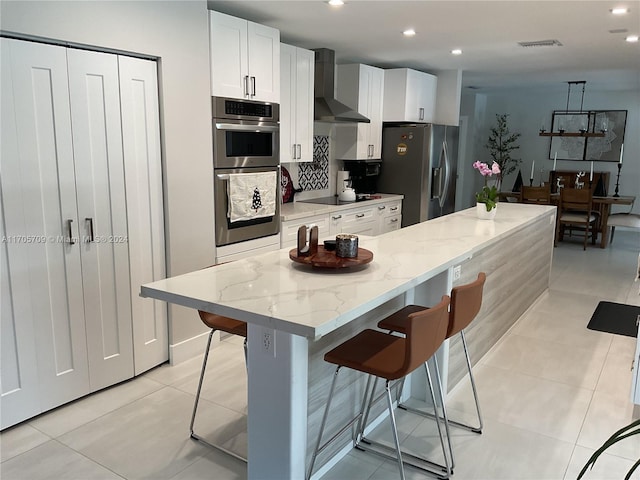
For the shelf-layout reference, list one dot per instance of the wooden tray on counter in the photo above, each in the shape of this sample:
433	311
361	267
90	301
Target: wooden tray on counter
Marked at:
328	259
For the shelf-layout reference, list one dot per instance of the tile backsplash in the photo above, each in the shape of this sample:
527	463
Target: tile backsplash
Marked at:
315	175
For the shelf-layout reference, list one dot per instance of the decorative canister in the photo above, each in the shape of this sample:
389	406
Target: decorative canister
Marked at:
346	245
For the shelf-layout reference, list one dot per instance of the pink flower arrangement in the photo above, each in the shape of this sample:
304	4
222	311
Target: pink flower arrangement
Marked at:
488	195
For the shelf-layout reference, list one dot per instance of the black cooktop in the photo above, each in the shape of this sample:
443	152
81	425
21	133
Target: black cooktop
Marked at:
335	201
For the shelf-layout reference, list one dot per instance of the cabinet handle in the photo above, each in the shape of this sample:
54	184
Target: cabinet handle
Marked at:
246	85
336	217
370	151
382	207
421	114
70	232
359	215
393	220
393	209
91	237
299	147
253	86
293	153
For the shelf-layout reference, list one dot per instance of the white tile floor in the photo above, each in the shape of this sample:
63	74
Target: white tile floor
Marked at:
551	392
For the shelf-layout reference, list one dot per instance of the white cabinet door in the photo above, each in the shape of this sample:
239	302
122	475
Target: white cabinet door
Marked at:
263	45
229	56
143	174
409	95
289	231
102	213
365	85
296	104
39	201
245	59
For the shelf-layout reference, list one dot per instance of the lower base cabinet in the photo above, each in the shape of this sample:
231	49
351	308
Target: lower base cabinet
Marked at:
82	224
370	220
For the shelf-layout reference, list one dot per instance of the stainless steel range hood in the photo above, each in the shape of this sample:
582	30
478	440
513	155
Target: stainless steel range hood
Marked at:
327	108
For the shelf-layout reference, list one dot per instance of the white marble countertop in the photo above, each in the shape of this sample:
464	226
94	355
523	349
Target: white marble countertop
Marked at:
297	210
272	291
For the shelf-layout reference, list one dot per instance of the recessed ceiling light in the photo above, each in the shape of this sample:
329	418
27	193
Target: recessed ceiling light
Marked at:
335	3
409	32
619	10
632	38
456	51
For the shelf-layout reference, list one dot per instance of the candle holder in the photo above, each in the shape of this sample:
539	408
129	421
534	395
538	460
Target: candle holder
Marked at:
618	181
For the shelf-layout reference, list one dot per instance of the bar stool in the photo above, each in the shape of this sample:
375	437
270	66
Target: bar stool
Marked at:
390	358
222	324
466	301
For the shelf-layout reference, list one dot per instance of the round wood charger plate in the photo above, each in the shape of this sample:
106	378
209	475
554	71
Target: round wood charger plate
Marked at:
326	259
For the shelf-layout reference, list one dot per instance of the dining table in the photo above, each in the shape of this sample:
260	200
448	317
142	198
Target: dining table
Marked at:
602	204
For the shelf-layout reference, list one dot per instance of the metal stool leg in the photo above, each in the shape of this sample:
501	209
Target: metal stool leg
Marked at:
473	386
394	429
448	468
444	410
322	424
194	435
204	367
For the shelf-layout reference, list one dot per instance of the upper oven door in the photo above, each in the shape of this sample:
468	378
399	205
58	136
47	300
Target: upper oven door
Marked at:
245	143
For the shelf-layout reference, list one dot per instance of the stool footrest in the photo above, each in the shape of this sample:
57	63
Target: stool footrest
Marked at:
218	447
431	415
382	450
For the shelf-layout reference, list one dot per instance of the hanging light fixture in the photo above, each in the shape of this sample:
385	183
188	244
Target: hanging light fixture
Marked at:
587	122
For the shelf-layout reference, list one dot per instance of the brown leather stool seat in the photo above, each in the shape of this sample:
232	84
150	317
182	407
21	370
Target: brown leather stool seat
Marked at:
466	301
389	357
222	324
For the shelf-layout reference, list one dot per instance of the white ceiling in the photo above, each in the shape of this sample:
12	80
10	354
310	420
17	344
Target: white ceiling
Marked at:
488	32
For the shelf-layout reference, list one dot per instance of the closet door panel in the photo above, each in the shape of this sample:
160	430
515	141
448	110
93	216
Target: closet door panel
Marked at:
143	173
102	207
40	202
19	372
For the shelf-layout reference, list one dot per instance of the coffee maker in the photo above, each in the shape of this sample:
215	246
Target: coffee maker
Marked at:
364	175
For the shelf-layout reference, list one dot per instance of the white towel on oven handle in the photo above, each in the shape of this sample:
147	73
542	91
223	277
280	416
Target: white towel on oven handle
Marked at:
251	195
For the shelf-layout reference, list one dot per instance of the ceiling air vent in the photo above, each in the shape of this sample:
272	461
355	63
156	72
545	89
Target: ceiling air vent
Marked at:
541	43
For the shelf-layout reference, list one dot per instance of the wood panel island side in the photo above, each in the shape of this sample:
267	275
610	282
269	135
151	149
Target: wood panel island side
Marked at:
306	311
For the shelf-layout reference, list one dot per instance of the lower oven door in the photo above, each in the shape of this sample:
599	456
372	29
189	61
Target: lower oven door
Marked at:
228	232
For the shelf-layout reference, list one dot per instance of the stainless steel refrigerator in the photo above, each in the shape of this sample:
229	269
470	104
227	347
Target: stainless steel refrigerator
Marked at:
419	161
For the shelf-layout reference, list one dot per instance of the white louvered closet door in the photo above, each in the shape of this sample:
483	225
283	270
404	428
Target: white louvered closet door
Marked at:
102	214
39	205
143	173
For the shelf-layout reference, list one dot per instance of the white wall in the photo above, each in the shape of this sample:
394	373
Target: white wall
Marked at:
176	32
527	108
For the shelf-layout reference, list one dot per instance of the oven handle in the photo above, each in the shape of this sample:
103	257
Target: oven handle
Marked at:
247	128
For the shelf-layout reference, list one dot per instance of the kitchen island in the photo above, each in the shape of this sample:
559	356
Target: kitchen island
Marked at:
296	313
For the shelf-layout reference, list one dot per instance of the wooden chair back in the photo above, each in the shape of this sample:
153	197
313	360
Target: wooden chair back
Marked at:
535	195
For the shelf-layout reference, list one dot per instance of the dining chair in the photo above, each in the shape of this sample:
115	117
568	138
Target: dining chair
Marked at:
575	210
535	195
623	219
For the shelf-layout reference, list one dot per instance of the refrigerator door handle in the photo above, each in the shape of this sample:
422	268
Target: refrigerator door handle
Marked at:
436	181
447	174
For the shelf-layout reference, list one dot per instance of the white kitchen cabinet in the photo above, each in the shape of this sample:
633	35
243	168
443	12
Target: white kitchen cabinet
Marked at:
361	221
289	232
66	318
361	87
389	217
245	59
296	104
409	96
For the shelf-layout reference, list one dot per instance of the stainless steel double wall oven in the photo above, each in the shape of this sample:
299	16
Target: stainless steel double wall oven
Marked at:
246	139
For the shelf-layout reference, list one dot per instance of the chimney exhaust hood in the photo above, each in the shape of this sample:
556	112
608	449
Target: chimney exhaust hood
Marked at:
327	108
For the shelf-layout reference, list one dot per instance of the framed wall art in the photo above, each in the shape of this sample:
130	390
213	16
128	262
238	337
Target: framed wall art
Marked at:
606	148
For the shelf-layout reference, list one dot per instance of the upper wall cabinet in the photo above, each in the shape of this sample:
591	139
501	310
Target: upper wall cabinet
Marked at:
245	59
296	104
409	96
361	87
